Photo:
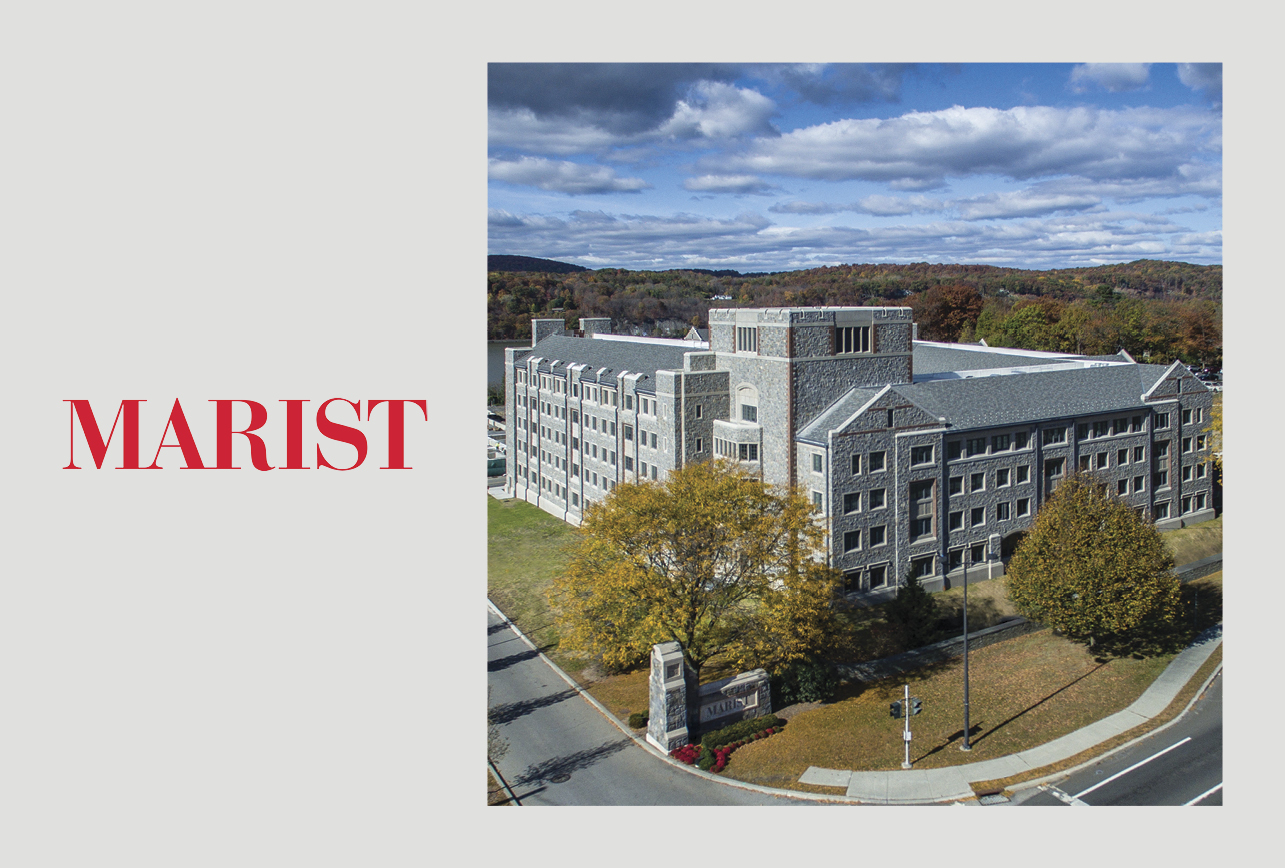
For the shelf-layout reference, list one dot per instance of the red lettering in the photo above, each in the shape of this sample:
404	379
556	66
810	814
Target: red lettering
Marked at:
294	434
396	429
342	433
94	437
258	452
178	422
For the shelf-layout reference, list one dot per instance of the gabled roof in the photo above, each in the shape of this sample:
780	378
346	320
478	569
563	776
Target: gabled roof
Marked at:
833	417
614	357
1013	399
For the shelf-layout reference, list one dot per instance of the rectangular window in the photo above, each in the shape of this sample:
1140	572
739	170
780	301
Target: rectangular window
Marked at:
977	516
818	501
1186	505
977	446
957	485
1161	511
642	467
1024	473
1122	487
1135	424
1021	439
817	463
699	411
1054	470
878	577
1186	474
629	402
1162	421
575	443
1101	428
956	520
856	465
977	482
1050	436
852	339
921	455
629	432
1001	478
1003	511
1084	462
1200	470
1121	457
1201	441
852	502
749	413
876	498
652	437
953	450
1120	426
575	499
954	559
921	509
1186	417
748	451
700	445
923	567
747	340
1139	483
977	554
876	462
851	540
1082	431
1200	501
1186	444
878	535
653	471
629	463
1160	479
1000	442
1024	506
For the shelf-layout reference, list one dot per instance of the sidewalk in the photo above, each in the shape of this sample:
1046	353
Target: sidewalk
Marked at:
918	786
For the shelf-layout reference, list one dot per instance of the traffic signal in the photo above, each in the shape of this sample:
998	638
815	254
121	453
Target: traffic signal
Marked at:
895	709
916	705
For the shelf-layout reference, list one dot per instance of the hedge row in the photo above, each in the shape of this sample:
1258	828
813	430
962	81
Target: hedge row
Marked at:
740	730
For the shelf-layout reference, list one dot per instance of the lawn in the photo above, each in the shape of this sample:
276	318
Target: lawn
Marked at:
526	548
1190	544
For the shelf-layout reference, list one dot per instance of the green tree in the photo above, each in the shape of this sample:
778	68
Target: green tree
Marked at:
912	613
1091	568
711	558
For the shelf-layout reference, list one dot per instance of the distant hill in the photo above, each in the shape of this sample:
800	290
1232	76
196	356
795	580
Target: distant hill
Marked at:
530	263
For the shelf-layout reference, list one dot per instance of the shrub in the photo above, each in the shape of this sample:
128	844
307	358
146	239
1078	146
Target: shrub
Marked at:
639	719
804	681
742	729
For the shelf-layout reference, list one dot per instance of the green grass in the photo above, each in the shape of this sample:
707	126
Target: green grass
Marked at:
526	548
1193	543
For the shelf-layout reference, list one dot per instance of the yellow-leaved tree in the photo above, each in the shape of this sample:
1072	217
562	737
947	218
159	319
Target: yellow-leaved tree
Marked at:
711	558
1091	568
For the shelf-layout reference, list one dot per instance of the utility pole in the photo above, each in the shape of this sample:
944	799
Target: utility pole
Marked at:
905	764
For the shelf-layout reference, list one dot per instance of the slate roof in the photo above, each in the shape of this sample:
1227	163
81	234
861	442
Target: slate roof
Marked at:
612	356
932	358
1021	398
837	413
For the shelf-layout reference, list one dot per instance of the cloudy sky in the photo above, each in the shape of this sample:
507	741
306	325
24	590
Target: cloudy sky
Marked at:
780	167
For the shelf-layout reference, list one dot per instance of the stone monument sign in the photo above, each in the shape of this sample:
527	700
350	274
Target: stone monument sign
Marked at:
679	708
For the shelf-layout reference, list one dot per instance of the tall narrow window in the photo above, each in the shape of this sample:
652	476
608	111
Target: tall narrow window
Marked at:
852	339
747	339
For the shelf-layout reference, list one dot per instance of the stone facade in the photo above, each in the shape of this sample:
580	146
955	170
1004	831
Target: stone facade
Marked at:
918	456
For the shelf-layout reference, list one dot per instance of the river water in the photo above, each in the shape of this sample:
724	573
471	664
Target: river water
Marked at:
495	359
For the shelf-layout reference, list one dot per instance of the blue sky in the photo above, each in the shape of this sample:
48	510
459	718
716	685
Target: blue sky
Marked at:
775	167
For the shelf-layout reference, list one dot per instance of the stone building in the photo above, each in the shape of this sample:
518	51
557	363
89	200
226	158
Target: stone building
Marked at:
918	455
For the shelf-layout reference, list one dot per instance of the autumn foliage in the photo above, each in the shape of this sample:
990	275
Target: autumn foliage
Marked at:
1091	568
710	557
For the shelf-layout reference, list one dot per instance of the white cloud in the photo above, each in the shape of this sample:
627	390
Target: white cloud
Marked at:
718	111
923	148
1023	203
726	184
1113	77
1206	78
562	176
895	206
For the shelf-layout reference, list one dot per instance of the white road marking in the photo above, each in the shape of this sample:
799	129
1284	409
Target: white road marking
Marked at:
1203	796
1131	768
1063	797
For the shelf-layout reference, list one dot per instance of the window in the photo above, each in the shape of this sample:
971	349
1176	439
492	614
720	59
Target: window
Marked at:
1186	505
613	429
878	535
1162	450
699	411
1186	444
1024	506
749	413
851	540
747	340
1186	417
1003	511
653	471
575	443
629	402
953	449
1139	453
921	509
1001	478
1200	470
977	516
876	462
1200	501
1054	470
977	446
977	482
1135	424
818	501
653	440
1122	487
956	520
1121	457
1024	473
1049	436
629	432
923	567
1101	428
1160	479
1201	441
954	559
700	445
1000	442
1186	474
876	498
957	485
878	577
748	451
1120	426
817	463
1084	462
1082	431
921	455
642	467
852	502
977	554
629	463
575	499
1161	511
856	465
852	339
1162	421
1139	483
1021	439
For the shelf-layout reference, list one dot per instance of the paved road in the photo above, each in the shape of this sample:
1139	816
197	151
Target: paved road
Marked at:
562	751
1181	765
